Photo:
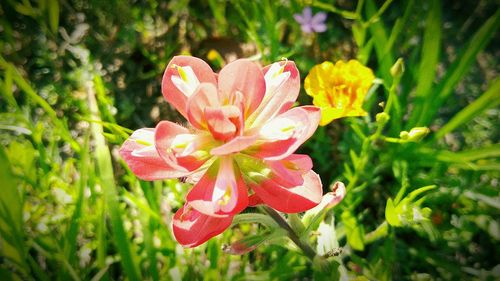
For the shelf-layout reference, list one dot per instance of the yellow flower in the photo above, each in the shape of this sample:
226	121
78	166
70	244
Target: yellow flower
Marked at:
339	89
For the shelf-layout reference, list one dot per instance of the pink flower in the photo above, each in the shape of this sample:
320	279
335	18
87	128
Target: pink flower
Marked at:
241	139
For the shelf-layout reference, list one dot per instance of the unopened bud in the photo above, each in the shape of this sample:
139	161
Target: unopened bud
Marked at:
398	68
415	135
382	117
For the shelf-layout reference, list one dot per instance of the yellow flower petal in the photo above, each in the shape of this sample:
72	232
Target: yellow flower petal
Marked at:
339	89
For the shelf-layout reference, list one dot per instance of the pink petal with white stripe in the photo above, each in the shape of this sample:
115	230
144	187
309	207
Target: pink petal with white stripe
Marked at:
282	89
179	148
141	156
291	199
246	78
281	136
192	228
220	192
205	96
181	79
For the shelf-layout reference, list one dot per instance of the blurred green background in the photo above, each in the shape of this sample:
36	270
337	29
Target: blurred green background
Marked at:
74	75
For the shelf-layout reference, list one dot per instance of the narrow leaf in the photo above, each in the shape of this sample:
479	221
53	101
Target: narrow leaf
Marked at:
460	67
491	98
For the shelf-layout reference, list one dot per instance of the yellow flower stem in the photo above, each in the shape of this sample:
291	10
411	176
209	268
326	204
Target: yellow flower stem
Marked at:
393	101
393	140
364	154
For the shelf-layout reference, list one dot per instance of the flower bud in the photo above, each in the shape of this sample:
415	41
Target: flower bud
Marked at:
382	118
398	68
415	135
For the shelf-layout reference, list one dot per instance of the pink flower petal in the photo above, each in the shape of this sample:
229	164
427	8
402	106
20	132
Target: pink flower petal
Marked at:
219	192
282	89
177	95
237	144
281	136
223	122
291	200
146	163
245	77
254	200
192	228
205	96
289	171
186	158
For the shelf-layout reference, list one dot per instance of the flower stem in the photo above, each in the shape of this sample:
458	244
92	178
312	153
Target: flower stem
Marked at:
306	248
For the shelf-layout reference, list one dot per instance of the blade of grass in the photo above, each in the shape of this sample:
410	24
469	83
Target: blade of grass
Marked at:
11	216
459	68
399	25
428	64
72	232
30	92
53	6
331	8
378	31
218	9
491	98
105	168
491	151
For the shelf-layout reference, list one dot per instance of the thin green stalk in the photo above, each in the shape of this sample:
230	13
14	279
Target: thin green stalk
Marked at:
359	166
105	168
31	93
376	17
328	7
306	248
380	232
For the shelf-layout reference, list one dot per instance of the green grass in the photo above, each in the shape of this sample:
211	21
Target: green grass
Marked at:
77	78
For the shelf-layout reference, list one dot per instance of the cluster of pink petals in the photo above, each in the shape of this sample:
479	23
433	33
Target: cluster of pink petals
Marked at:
238	148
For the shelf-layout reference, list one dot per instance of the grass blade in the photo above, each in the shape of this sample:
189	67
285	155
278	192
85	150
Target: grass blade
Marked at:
71	234
30	92
428	65
491	98
459	68
107	180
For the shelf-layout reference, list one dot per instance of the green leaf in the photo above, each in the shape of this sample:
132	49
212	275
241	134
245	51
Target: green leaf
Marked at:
464	156
491	98
251	242
399	25
390	213
255	218
106	176
31	93
72	232
419	191
460	67
428	64
54	15
379	34
11	217
354	231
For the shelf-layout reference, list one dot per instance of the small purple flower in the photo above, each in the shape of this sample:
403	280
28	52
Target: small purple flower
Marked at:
310	23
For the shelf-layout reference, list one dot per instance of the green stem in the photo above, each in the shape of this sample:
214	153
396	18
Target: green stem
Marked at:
306	248
380	232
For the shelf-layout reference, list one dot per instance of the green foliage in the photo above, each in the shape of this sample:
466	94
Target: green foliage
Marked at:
420	204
